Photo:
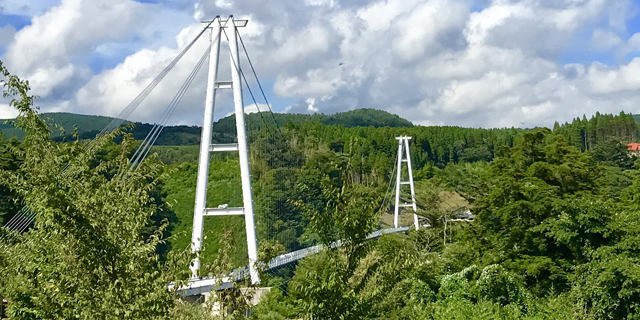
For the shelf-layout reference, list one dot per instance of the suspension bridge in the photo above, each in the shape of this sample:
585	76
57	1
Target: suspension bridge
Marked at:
227	29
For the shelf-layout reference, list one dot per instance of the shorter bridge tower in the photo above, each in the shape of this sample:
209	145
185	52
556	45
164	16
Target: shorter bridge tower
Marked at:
403	149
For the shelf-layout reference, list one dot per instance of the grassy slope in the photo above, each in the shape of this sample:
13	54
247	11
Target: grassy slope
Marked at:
177	154
450	201
224	187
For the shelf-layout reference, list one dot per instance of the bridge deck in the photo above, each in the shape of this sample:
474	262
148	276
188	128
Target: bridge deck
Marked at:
206	284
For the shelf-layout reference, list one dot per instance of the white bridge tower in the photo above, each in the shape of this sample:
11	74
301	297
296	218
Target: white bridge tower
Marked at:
403	148
201	210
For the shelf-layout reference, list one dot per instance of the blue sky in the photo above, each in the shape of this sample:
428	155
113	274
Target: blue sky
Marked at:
477	63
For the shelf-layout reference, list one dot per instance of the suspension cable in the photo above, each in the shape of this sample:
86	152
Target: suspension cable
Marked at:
237	66
148	142
23	219
384	200
258	81
138	100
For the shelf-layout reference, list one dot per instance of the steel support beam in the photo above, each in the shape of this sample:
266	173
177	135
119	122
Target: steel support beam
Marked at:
224	211
205	141
223	147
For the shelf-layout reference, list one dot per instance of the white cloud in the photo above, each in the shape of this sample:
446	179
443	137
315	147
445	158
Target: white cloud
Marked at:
298	47
27	8
252	108
112	90
431	61
429	27
7	111
605	40
6	35
45	50
605	80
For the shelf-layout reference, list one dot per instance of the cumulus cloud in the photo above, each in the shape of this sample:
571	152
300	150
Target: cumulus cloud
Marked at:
438	61
45	51
605	40
471	63
6	35
30	8
252	108
7	111
113	89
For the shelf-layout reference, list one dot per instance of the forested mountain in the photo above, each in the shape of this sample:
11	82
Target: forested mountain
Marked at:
88	126
66	121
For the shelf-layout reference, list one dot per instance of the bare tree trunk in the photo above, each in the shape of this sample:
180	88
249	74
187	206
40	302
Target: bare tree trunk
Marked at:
445	229
3	307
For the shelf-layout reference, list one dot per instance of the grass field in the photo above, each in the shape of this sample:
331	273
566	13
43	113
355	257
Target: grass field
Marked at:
451	201
224	188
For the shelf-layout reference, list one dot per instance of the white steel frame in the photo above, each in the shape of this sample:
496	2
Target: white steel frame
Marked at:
403	145
200	209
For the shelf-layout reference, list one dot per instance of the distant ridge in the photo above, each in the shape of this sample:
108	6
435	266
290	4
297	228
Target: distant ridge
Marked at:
64	119
224	129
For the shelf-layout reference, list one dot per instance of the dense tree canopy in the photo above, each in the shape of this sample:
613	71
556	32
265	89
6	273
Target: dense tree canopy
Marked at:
555	234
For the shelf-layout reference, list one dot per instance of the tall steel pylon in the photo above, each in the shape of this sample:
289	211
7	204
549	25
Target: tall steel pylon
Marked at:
206	147
403	148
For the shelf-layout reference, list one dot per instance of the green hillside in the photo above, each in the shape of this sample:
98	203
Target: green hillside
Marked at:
224	129
349	119
66	121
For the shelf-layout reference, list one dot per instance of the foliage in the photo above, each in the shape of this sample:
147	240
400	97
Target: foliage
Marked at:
555	237
612	152
555	234
349	216
540	181
10	161
587	134
224	183
321	288
90	253
224	129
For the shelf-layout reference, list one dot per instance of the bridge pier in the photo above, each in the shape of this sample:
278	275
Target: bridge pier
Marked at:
252	296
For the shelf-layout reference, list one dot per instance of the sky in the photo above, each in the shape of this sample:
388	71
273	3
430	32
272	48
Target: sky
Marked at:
472	63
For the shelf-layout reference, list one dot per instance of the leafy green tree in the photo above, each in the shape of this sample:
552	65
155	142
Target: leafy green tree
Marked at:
321	288
613	152
321	285
10	161
606	286
87	255
349	216
536	187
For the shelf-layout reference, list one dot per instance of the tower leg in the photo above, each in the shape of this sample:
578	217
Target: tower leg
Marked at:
398	175
205	141
413	189
243	153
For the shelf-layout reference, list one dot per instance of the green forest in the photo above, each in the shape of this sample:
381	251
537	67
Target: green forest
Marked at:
556	233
